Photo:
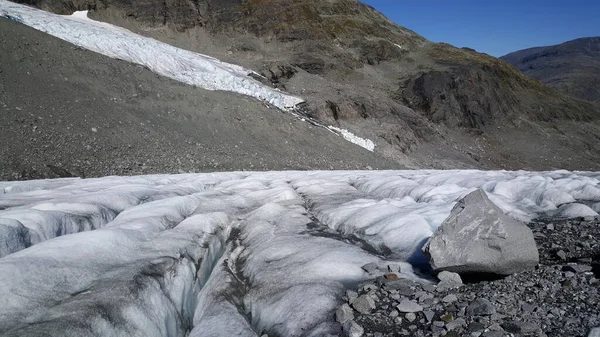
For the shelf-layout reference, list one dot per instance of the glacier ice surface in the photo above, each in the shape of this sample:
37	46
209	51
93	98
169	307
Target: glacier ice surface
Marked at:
240	253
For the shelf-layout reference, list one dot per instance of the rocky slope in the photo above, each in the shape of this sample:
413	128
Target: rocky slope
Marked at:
572	67
558	298
68	111
424	104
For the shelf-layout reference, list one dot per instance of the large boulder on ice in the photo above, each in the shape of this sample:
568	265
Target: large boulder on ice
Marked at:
478	238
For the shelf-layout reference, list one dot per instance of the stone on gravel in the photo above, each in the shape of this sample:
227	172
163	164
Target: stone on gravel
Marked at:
449	277
493	333
352	329
577	268
352	295
562	255
519	327
401	285
457	323
481	307
411	317
450	298
344	313
364	304
478	237
476	326
409	306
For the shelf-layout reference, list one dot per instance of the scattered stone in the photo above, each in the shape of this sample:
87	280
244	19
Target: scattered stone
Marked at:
476	326
429	315
344	313
457	323
478	237
481	307
450	298
411	317
577	268
496	327
409	306
519	327
352	295
364	304
562	255
493	333
449	279
370	267
352	329
439	324
447	317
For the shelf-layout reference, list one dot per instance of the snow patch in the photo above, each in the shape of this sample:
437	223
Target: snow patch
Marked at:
182	65
352	138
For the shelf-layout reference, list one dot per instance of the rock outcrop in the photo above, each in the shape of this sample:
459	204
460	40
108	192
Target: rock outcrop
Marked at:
478	238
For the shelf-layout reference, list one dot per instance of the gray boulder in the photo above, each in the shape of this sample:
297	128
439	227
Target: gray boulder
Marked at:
344	313
352	329
364	304
481	307
478	238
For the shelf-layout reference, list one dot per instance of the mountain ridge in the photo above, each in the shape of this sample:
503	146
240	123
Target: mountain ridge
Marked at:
572	67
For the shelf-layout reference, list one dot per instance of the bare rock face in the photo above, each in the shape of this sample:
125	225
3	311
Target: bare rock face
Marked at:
478	238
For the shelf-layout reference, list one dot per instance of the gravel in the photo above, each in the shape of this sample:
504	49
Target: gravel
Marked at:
560	297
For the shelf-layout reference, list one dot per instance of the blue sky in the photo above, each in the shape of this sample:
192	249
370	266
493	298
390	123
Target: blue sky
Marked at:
495	27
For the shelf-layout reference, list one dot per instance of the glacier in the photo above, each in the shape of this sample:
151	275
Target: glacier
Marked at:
179	64
236	253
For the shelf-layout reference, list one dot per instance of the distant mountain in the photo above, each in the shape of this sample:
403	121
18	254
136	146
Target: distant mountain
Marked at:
572	67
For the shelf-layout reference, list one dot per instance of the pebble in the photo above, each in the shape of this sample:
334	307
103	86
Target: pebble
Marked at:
352	329
409	306
450	298
457	323
481	307
450	278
